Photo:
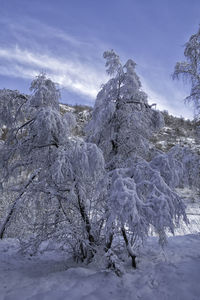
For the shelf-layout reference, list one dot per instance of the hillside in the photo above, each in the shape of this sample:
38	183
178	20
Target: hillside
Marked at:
177	131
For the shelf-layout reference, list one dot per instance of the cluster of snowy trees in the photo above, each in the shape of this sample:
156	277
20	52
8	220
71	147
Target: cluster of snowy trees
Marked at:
100	196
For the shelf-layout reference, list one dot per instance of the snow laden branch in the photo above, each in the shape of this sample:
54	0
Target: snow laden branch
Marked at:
190	70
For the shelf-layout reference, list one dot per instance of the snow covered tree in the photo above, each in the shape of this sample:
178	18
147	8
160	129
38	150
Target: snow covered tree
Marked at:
120	109
52	177
125	84
30	141
190	69
138	196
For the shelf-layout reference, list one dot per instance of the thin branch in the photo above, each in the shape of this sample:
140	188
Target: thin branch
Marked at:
13	207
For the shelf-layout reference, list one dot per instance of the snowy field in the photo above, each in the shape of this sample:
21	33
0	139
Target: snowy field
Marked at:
161	275
169	274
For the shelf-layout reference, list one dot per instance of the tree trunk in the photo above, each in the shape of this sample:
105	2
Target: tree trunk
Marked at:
128	247
86	221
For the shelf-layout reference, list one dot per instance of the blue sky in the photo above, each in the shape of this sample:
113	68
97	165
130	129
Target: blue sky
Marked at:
66	39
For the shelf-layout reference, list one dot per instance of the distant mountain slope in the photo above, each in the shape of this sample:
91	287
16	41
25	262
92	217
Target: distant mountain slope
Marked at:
177	131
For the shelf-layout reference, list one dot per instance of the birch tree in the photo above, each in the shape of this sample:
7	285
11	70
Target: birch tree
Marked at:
190	70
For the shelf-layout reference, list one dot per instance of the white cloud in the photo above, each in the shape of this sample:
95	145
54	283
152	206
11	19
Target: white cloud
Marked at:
174	106
77	76
70	74
32	47
75	63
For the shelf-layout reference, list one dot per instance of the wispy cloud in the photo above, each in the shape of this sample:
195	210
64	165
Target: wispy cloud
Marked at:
174	104
78	76
30	27
31	47
27	47
70	74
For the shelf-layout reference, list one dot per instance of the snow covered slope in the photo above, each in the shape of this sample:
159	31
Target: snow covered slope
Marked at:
172	274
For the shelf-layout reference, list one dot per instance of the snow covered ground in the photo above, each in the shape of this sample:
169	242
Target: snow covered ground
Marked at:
161	275
191	199
169	274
